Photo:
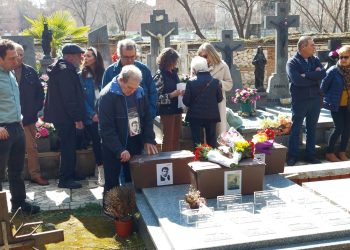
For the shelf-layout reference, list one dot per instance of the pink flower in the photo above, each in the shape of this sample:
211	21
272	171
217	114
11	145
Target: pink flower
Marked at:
37	135
44	77
44	132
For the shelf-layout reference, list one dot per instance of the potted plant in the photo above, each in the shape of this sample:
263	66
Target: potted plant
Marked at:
246	97
120	203
194	199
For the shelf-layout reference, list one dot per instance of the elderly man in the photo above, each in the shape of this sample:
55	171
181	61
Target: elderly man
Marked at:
32	99
305	73
126	50
64	107
12	140
123	102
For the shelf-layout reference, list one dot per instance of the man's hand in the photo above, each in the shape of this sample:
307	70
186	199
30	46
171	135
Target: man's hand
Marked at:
151	149
79	125
3	133
124	156
318	69
95	118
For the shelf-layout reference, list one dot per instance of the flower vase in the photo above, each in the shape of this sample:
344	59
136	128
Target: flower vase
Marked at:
246	107
123	228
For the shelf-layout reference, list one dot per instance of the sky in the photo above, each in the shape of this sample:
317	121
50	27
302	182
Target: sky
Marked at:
37	2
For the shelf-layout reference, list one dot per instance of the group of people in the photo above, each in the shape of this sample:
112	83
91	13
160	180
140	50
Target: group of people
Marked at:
117	106
311	88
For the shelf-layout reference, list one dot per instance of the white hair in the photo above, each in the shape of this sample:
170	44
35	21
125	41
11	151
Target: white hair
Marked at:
18	46
129	44
199	64
130	72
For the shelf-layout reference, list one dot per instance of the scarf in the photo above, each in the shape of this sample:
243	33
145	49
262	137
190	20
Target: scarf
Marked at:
346	74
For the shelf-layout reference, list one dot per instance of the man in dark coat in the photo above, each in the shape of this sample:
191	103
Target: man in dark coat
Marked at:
32	99
64	107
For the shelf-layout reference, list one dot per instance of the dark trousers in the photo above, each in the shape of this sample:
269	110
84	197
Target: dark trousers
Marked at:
112	164
210	132
341	120
67	135
310	110
92	130
12	152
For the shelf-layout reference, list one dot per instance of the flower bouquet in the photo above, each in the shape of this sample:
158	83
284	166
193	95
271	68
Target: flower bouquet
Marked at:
43	129
246	97
201	152
263	141
194	199
280	125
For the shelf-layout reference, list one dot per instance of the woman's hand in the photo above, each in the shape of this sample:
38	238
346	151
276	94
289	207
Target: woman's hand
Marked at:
175	93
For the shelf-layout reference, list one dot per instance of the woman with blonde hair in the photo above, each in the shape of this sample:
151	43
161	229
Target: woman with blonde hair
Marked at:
336	89
219	70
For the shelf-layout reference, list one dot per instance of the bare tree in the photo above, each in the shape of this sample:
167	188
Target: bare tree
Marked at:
184	4
241	13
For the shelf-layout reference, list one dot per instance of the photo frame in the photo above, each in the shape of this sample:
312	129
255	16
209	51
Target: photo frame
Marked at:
165	174
233	182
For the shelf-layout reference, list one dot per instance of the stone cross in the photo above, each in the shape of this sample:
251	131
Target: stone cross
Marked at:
28	45
160	30
278	82
323	55
99	39
227	46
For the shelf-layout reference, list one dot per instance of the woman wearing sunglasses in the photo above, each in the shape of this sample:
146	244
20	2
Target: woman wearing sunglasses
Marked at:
336	89
91	79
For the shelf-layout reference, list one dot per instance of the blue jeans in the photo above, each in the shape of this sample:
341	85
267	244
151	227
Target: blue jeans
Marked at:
309	109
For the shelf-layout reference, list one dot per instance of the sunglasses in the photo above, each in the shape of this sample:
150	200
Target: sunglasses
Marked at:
344	57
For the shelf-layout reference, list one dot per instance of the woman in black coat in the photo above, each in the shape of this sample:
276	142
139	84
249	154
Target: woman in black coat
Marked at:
202	95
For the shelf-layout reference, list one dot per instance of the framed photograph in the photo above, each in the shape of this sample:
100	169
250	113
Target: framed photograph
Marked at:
164	174
233	182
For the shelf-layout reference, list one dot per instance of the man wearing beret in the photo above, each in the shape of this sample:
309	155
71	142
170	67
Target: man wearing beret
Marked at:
64	107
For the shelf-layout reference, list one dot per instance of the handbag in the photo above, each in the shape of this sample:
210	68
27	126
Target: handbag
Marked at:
202	90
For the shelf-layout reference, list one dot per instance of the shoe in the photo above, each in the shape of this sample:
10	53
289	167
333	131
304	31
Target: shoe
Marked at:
40	181
100	176
27	208
79	178
343	156
69	184
291	161
312	160
331	157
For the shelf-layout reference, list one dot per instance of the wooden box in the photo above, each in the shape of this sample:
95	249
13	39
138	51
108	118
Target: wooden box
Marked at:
276	160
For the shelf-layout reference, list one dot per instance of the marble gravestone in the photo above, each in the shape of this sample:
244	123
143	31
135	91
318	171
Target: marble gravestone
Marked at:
99	39
28	45
323	55
278	82
160	30
227	46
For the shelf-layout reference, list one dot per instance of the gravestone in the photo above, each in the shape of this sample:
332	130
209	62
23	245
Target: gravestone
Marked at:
99	39
255	30
182	48
323	55
227	46
278	82
160	30
28	45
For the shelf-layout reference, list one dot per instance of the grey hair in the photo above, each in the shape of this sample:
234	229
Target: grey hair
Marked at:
126	43
304	40
130	72
18	46
199	64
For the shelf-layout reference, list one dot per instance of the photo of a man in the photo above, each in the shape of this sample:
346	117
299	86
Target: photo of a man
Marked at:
164	174
134	127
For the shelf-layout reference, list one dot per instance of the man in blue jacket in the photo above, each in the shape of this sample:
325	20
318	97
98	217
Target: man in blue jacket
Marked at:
126	50
305	73
122	104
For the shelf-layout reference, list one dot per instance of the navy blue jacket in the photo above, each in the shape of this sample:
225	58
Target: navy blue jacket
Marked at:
64	101
31	95
147	82
332	87
113	117
303	88
205	106
88	87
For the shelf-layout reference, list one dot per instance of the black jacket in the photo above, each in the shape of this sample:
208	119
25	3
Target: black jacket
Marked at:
64	101
113	118
203	102
31	95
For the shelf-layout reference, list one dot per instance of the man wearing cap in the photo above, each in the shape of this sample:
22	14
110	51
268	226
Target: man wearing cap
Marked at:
64	107
12	140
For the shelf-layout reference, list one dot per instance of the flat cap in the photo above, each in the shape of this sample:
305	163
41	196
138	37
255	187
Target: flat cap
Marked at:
71	48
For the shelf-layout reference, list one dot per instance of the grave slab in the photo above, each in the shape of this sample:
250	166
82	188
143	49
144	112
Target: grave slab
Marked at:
317	223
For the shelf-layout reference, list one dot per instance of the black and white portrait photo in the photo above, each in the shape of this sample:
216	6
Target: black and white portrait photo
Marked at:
164	174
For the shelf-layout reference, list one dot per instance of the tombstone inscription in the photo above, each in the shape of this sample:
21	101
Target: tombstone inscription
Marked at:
160	30
278	82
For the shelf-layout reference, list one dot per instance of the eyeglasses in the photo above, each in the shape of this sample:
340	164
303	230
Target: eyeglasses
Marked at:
128	58
344	57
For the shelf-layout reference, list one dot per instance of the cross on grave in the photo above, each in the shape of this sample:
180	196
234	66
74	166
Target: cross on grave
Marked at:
227	46
160	30
99	39
323	55
278	82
